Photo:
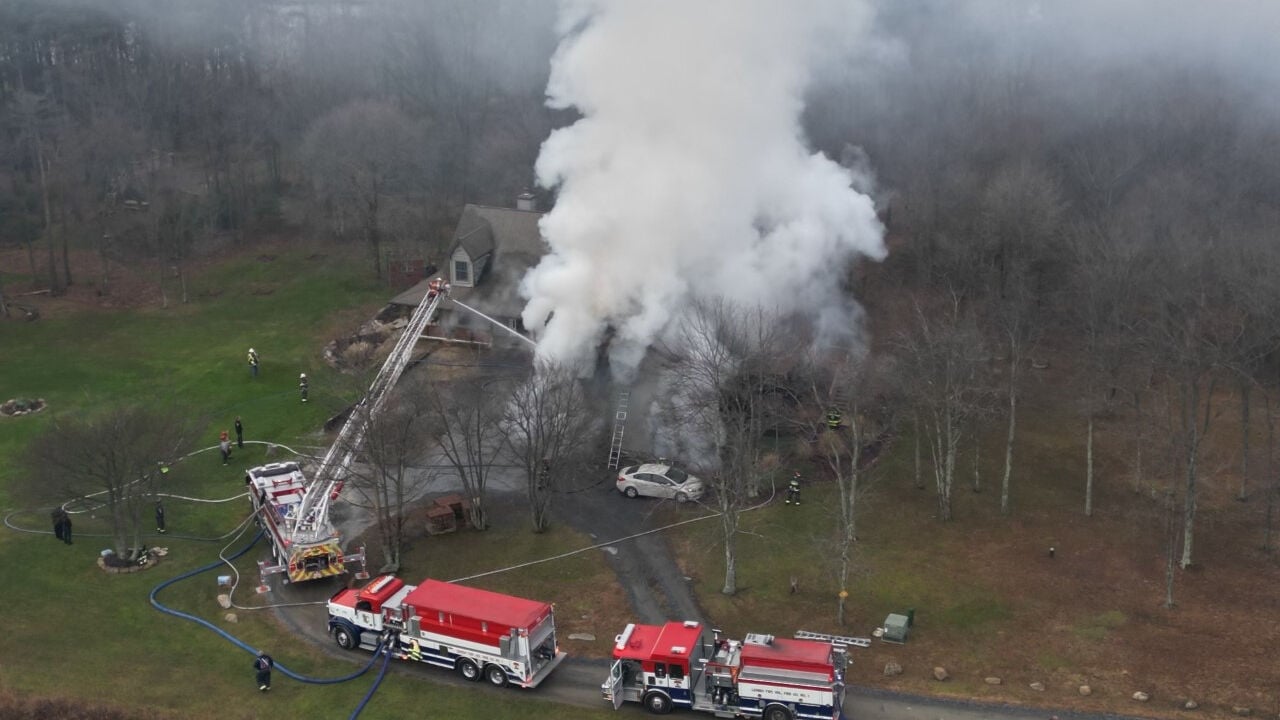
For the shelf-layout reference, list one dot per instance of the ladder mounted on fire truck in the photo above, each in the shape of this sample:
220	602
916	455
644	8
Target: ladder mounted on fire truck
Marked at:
306	523
313	512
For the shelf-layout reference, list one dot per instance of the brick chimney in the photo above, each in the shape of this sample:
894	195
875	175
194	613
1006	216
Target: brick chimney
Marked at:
526	201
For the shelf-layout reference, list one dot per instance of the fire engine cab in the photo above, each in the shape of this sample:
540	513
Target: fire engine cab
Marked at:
478	633
687	665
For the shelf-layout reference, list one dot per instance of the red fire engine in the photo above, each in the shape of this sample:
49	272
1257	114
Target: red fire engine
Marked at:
687	665
478	633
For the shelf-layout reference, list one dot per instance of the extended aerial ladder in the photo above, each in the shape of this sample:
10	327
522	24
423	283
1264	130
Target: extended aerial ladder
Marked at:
305	543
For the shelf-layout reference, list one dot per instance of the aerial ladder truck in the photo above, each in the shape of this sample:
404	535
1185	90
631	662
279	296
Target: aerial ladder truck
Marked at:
294	510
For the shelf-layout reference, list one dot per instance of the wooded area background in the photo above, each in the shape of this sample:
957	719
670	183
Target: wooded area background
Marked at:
1049	183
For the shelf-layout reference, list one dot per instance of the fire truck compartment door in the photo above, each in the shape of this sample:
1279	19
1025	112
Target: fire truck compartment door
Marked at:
615	683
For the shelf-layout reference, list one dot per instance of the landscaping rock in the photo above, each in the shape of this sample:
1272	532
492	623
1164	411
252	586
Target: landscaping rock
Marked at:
1037	686
892	668
582	636
231	618
224	600
992	680
1086	690
1141	696
940	674
1191	705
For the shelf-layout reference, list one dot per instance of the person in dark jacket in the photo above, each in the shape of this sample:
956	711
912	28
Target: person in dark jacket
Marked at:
66	527
57	515
160	517
239	433
262	666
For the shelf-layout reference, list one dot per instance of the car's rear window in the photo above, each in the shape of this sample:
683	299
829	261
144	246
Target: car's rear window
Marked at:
677	475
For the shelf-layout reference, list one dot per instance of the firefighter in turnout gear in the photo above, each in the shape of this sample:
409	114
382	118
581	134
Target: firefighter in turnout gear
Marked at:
833	419
302	386
414	651
793	489
437	286
253	362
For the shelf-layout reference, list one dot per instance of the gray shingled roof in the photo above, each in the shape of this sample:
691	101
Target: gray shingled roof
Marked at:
508	231
516	243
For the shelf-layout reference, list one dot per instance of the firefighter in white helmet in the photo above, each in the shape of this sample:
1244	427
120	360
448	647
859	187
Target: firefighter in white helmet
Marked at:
302	386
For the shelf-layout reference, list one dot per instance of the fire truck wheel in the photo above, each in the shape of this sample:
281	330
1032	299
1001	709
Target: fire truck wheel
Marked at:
496	676
345	638
682	498
631	493
657	703
468	670
777	712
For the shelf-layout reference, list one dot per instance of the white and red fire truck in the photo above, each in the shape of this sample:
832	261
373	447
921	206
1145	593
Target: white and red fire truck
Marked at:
478	633
687	665
277	491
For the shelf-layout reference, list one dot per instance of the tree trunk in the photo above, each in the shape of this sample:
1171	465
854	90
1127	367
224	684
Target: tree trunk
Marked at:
31	260
66	252
729	521
1008	450
977	465
1171	545
919	478
164	297
1137	416
4	308
1244	441
50	241
104	284
844	585
1088	469
1274	488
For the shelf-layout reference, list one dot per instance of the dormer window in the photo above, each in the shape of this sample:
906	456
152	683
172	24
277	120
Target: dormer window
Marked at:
461	272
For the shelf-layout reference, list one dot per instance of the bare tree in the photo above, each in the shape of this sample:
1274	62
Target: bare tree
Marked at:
724	365
1194	321
943	350
849	380
545	425
1017	323
394	439
469	414
360	157
112	459
1105	270
38	117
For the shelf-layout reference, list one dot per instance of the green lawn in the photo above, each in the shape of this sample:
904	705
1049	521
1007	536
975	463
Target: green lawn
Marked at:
75	632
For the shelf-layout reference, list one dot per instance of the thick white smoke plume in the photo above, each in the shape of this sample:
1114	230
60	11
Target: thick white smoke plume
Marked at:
688	174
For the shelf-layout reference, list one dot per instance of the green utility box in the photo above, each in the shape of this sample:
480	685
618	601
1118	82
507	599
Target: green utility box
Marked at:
895	629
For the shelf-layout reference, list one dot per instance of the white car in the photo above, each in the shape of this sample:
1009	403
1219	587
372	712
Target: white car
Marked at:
660	481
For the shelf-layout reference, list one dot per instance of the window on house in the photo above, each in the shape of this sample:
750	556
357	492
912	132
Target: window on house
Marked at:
461	271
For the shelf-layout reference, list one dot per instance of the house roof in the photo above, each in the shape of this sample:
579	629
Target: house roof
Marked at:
484	229
515	242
